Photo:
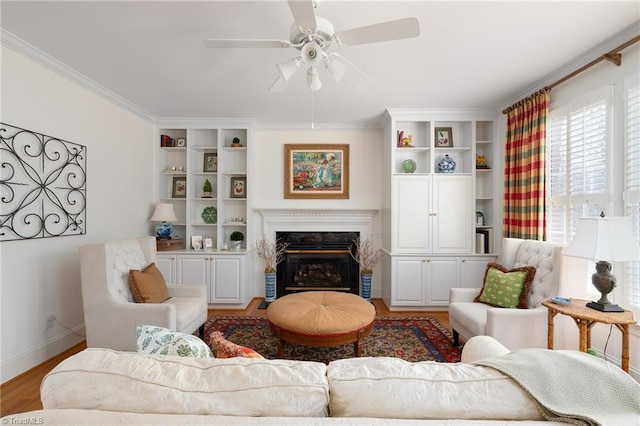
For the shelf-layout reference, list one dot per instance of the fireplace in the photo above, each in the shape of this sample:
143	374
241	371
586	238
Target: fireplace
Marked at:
317	261
323	225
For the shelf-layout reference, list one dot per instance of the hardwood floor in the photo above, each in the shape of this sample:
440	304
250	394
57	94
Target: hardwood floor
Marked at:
23	392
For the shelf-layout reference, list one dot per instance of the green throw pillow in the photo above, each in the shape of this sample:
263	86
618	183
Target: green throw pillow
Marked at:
506	288
163	341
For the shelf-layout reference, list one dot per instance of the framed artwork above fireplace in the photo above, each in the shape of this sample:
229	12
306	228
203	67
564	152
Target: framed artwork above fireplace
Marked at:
316	171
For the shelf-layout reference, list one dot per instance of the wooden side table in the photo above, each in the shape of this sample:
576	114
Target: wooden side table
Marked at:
585	318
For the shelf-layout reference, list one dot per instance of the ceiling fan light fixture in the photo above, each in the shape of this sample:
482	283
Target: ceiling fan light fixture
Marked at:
313	79
335	67
288	68
311	53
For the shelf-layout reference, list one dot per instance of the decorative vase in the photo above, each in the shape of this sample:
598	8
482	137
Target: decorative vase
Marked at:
446	165
237	245
269	287
366	286
164	230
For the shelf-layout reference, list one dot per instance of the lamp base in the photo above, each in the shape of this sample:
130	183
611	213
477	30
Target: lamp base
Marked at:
605	307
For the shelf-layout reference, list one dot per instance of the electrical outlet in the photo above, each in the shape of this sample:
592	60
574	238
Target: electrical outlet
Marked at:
51	319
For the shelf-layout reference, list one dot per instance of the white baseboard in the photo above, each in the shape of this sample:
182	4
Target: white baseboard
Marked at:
40	353
633	372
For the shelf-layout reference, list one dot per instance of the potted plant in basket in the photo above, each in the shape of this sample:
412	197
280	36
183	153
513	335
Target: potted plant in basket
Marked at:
368	258
236	237
271	254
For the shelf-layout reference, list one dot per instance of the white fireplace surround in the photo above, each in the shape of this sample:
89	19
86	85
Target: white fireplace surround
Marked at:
303	220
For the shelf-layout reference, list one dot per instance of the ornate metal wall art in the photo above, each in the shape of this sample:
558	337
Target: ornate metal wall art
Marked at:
42	185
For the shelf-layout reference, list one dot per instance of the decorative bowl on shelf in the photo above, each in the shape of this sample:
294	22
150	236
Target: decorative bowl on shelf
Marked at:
210	214
409	166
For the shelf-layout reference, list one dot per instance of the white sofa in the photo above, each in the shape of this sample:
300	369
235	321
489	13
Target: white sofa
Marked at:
101	386
111	315
514	328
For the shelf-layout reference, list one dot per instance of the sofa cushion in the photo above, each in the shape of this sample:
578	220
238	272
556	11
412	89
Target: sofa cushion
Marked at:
506	288
397	389
163	341
226	349
129	382
125	255
148	285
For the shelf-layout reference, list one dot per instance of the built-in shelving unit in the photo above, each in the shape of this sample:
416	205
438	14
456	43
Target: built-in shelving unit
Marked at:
220	154
430	220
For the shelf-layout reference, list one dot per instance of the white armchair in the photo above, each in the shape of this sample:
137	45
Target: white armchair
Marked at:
111	315
514	328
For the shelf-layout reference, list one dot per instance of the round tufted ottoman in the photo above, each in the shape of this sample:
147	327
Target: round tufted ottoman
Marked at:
320	319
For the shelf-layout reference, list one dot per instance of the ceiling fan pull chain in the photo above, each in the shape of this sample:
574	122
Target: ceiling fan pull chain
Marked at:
312	124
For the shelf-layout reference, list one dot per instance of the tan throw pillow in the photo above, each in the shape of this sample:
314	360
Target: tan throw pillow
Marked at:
506	288
148	285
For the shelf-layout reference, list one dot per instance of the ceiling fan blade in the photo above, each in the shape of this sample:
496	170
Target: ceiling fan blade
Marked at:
303	13
338	66
279	85
245	43
385	31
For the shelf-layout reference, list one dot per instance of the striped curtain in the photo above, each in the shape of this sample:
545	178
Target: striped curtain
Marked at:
524	171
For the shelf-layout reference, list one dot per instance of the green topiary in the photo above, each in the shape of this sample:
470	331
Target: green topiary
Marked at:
236	236
207	186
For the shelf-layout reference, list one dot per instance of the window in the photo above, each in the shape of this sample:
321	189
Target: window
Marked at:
577	164
631	194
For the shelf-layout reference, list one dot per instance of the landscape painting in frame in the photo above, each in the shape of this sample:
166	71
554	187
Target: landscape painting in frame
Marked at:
316	171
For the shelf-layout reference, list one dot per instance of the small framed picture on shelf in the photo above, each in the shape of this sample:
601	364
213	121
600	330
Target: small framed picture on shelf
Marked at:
238	187
443	137
179	187
208	243
181	142
196	242
210	162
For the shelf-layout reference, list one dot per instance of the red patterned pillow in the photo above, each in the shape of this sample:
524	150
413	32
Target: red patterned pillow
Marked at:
222	348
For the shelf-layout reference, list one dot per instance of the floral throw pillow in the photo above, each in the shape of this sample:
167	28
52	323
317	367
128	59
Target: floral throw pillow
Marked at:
163	341
222	348
506	288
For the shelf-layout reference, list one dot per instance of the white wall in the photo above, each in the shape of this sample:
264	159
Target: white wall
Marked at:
41	276
364	185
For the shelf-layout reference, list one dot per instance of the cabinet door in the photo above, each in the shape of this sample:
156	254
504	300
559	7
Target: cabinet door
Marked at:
227	278
452	229
193	270
472	271
411	213
442	274
408	282
167	266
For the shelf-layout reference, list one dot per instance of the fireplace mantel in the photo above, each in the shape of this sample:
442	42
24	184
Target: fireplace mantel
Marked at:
336	220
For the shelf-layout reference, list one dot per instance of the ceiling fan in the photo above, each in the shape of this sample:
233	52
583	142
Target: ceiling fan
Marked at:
313	36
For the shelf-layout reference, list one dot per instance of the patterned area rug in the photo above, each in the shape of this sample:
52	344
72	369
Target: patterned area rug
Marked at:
412	339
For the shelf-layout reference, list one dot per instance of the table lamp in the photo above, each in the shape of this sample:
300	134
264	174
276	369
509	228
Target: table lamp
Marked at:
164	214
605	240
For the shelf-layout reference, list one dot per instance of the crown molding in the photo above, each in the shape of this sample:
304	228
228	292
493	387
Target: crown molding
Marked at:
22	47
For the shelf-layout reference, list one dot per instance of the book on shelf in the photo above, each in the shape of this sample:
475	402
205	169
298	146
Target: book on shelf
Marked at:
166	141
484	241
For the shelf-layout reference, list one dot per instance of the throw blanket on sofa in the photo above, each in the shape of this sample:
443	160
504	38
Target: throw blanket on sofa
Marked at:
573	387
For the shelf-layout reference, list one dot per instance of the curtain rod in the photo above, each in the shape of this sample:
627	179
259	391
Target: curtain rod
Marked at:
612	56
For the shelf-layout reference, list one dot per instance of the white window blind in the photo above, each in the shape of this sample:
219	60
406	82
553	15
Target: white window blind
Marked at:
577	164
631	194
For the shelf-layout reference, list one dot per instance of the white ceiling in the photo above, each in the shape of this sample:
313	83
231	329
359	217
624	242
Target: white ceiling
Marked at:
473	54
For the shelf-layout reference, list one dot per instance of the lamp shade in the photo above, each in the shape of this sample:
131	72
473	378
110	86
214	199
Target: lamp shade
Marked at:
164	213
604	238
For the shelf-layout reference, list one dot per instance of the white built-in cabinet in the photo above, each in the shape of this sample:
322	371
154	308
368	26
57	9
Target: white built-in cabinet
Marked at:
437	221
183	169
